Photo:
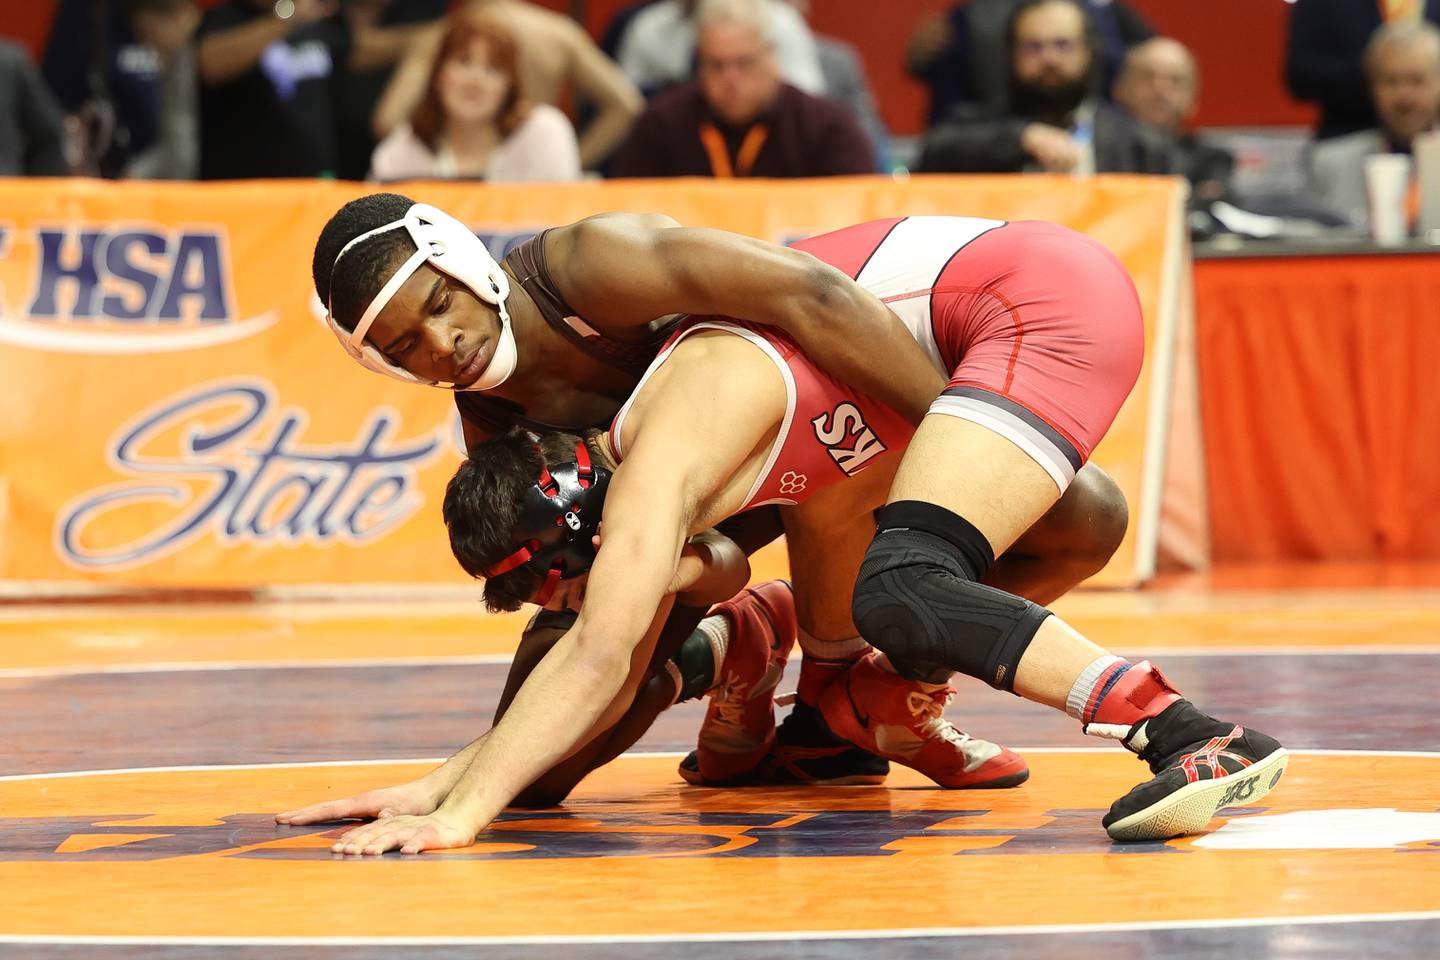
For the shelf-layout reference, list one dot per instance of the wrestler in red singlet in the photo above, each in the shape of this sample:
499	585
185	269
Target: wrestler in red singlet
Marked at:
1037	327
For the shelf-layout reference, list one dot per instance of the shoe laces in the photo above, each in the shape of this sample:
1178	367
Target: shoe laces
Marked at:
929	709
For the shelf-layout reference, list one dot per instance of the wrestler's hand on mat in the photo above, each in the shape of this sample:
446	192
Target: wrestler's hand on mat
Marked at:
406	834
409	799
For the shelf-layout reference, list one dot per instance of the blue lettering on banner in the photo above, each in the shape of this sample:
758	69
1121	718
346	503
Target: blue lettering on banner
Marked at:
131	275
265	487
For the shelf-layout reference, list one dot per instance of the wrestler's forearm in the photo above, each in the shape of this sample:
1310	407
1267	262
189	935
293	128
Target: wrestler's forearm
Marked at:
840	325
855	338
443	778
585	682
655	697
713	568
579	689
534	644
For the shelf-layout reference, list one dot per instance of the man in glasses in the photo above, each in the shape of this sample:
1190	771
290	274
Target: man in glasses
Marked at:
1055	121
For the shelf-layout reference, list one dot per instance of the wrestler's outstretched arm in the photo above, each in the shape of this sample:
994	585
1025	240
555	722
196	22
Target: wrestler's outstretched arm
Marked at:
712	568
626	269
688	437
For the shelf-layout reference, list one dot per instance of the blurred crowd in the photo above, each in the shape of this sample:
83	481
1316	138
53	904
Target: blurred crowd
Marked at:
506	90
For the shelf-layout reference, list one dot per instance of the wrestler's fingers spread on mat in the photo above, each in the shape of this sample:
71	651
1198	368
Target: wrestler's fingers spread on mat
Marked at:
368	831
427	838
380	844
315	813
376	838
351	808
352	841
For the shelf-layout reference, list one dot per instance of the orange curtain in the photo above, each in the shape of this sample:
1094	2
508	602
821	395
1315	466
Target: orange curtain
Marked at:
1321	405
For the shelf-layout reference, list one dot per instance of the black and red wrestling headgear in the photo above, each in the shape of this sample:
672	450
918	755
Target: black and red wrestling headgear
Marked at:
559	517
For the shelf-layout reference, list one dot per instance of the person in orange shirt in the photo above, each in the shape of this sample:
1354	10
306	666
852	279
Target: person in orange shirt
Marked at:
739	118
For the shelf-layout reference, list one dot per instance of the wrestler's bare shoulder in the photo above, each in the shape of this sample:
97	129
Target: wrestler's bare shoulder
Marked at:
602	228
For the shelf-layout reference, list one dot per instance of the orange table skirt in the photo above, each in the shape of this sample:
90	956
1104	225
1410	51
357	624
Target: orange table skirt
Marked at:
1320	398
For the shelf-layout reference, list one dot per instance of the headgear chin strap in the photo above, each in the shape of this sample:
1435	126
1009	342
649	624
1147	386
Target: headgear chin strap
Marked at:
452	248
559	517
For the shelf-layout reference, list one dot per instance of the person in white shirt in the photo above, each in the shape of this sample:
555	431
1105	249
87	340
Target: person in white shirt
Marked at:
1402	63
658	48
474	121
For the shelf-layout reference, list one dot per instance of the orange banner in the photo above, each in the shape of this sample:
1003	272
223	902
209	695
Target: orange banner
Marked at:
174	414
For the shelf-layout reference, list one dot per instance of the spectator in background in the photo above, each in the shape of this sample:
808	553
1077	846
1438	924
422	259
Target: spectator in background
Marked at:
358	91
1402	62
1324	53
658	48
474	121
1056	122
124	72
960	54
740	118
167	29
619	25
32	127
557	60
269	73
1158	86
844	74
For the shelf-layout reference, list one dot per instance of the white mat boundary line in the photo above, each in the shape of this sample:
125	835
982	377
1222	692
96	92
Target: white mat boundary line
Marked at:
661	754
734	937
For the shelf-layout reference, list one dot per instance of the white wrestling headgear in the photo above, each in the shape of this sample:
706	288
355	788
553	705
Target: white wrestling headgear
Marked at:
452	248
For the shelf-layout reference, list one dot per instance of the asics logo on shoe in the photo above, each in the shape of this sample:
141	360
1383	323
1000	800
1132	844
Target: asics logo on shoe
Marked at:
1240	792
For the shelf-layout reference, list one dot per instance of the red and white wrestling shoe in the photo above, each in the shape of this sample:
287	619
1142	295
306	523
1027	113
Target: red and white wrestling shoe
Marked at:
739	726
903	721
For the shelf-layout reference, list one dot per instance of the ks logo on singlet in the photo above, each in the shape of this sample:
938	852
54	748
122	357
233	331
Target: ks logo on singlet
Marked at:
848	438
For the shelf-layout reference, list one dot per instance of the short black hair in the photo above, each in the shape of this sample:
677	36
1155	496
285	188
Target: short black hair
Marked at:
1092	31
482	507
348	289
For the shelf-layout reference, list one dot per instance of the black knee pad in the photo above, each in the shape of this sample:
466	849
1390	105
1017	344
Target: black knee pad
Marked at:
918	601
